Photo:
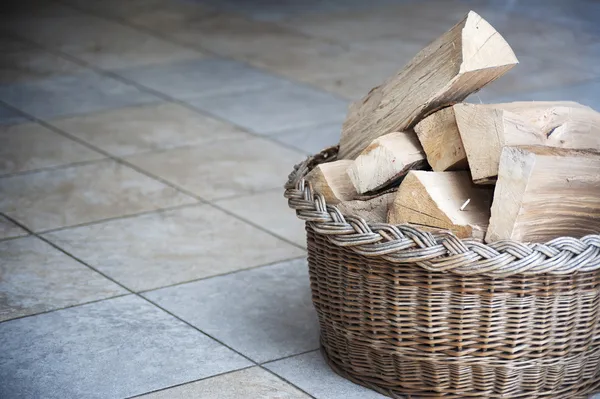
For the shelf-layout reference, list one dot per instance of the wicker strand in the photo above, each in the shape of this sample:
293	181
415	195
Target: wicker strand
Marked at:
404	243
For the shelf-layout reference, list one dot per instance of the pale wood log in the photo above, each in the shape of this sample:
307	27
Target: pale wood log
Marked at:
373	210
439	136
543	193
332	182
486	128
434	200
387	159
460	62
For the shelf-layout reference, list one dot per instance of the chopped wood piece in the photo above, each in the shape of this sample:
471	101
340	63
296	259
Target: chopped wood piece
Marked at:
387	159
460	62
332	182
434	199
543	193
374	210
486	128
439	136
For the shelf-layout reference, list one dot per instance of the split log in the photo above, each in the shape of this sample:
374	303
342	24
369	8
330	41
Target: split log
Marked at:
373	210
439	136
387	159
543	193
460	62
332	182
437	200
486	128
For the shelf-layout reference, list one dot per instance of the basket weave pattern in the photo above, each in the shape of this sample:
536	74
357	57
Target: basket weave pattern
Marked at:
415	315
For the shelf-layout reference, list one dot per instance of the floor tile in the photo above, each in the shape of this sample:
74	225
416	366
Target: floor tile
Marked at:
201	78
84	193
72	94
250	383
134	130
110	349
31	146
270	211
311	140
20	65
224	168
99	42
311	373
164	248
422	21
265	313
8	229
275	110
37	277
584	93
10	117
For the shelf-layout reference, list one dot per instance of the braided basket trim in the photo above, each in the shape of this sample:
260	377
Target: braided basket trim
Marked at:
434	252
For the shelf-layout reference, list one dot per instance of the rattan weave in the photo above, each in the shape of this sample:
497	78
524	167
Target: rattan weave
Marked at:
414	315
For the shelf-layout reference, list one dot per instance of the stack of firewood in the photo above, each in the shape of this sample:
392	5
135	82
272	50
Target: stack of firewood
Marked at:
411	152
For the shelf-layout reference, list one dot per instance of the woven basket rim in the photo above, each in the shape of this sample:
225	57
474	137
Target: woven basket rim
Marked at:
434	252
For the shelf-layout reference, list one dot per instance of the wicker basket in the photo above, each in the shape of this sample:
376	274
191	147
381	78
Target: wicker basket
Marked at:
413	315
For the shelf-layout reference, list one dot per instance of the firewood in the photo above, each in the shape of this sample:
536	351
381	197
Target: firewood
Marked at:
543	193
458	63
373	210
386	159
486	128
442	200
332	182
439	136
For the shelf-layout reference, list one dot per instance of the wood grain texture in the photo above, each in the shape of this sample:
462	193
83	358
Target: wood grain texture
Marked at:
460	62
387	159
434	199
439	136
332	182
373	210
543	193
486	128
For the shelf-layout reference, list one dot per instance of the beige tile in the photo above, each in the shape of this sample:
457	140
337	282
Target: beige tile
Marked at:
135	130
534	73
160	15
270	211
8	229
37	277
100	42
163	248
420	21
19	65
249	383
31	146
81	194
224	168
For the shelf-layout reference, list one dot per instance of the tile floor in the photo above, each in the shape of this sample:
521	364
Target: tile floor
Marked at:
145	246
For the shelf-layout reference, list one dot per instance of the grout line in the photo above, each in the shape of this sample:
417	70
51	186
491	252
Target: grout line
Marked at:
65	307
222	343
151	175
122	217
274	263
159	95
52	168
158	35
289	356
139	296
190	382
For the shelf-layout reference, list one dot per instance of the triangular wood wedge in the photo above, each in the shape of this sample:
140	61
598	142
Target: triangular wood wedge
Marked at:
460	62
442	200
332	182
